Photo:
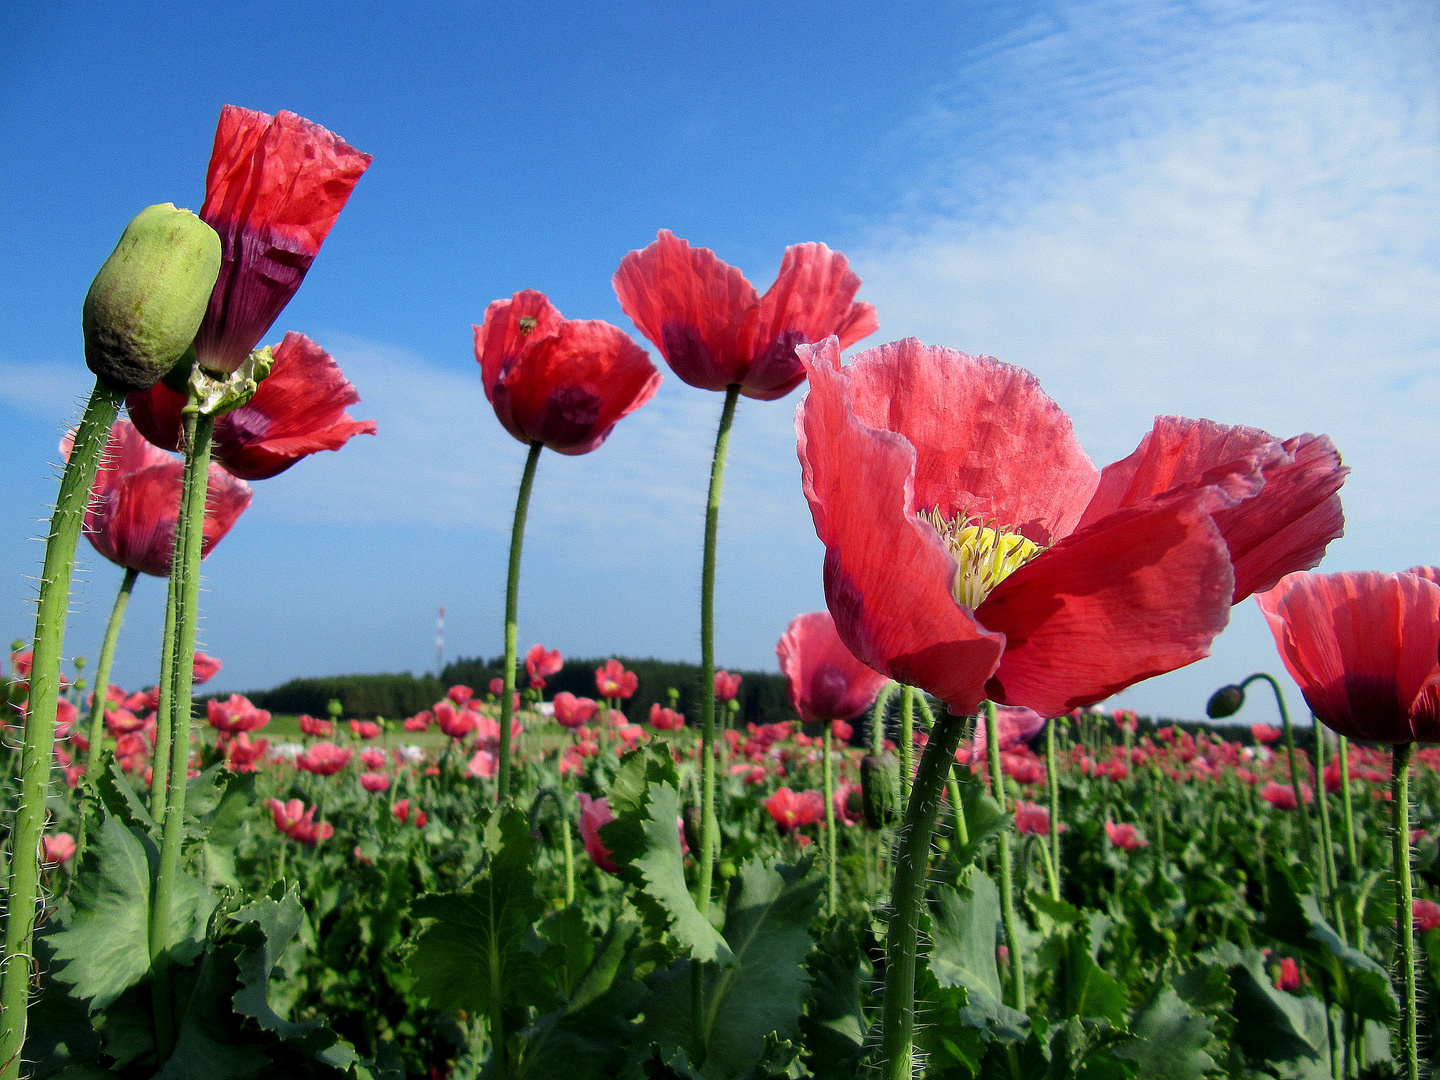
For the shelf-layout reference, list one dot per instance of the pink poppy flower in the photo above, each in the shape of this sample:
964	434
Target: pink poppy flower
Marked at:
715	331
726	685
1289	977
311	726
365	729
1264	734
460	695
1125	837
848	809
973	550
121	721
562	382
1282	796
1426	912
540	662
235	714
455	724
1033	819
401	810
323	759
205	667
841	731
795	809
826	682
59	848
372	759
613	681
421	721
1015	726
572	712
485	763
593	814
665	719
241	755
374	782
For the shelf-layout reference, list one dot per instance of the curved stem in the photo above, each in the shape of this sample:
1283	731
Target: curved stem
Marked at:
512	629
185	571
907	740
1052	776
1007	884
102	669
1404	905
908	894
709	822
39	746
877	718
1305	839
833	890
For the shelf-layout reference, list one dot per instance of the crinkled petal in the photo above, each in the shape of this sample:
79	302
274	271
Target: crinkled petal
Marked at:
1362	646
988	440
888	575
697	310
156	414
503	337
1140	593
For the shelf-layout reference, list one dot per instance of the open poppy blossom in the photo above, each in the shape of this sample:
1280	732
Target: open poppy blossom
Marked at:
613	681
1363	647
298	410
273	191
716	331
974	551
826	682
562	382
135	502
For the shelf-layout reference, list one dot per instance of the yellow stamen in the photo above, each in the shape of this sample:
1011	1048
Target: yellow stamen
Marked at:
985	555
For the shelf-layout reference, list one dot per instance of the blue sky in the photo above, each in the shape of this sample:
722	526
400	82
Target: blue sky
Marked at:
1211	208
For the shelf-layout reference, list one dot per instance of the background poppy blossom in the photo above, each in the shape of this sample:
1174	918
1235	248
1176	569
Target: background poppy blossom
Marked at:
825	680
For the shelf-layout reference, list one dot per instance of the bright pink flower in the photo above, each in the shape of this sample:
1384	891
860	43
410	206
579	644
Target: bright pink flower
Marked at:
540	662
1426	912
323	759
372	759
365	729
485	763
573	712
1282	796
1331	776
1125	719
841	731
1033	818
1125	837
121	721
286	815
1289	977
973	550
274	189
847	804
298	410
593	814
309	725
1363	648
401	810
235	715
562	382
715	331
374	781
665	719
1264	734
205	667
826	681
795	809
613	681
420	721
241	755
460	695
59	848
455	724
633	733
135	502
726	685
1023	768
497	686
310	832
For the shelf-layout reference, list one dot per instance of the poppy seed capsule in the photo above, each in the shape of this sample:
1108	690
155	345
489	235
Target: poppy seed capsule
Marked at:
146	303
1225	702
879	789
691	819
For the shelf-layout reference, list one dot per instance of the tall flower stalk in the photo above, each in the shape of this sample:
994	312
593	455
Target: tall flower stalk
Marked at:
100	694
1052	778
1007	883
512	615
1404	905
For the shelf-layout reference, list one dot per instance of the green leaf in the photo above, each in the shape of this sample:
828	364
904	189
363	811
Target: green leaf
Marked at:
1271	1025
204	1046
119	797
474	950
271	923
760	994
222	826
983	816
1172	1040
644	840
834	1021
964	924
1089	991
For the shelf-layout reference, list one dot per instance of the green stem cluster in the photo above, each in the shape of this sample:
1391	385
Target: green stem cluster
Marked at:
1306	843
22	895
1007	883
512	627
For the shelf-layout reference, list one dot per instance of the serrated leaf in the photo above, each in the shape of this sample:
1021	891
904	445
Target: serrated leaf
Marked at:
964	921
1089	991
204	1046
767	927
1171	1043
222	825
834	1022
473	950
1271	1025
119	797
272	924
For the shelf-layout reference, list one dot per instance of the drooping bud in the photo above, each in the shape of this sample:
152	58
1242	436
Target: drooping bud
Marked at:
145	305
879	789
1225	702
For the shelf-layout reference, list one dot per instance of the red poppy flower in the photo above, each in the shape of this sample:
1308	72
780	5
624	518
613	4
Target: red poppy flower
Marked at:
1363	648
421	721
205	667
715	331
1425	912
540	661
274	188
365	729
135	501
1282	796
1126	837
1264	734
562	382
1032	818
59	848
235	715
241	755
309	725
826	681
1289	977
613	681
323	759
795	809
593	814
298	410
973	550
460	695
572	712
726	685
665	719
374	782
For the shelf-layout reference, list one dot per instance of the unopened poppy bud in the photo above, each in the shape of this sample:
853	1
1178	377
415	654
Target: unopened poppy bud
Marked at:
1225	702
691	818
879	788
334	708
146	303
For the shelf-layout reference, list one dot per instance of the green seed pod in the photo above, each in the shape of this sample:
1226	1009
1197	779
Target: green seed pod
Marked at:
1225	702
691	818
879	789
146	303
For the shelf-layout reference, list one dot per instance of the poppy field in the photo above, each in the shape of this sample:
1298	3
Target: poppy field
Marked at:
955	858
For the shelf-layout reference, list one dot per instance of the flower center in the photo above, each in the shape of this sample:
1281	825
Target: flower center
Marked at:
985	555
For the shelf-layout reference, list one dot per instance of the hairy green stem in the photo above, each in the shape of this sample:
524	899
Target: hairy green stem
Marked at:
1306	841
102	670
1007	883
709	819
1327	861
907	895
1348	809
185	571
1404	905
53	605
165	697
512	626
833	891
907	740
877	718
1052	776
